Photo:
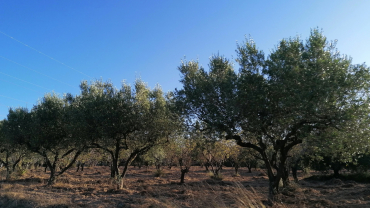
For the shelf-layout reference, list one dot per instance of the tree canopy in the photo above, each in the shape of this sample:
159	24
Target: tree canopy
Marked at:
277	101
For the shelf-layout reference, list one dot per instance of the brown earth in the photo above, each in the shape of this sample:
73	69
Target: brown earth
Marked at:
94	188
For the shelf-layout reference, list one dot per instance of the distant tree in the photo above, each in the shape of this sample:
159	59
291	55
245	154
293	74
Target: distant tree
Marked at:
245	157
275	103
11	150
362	163
185	156
126	120
296	159
214	152
171	158
336	149
235	158
182	147
156	156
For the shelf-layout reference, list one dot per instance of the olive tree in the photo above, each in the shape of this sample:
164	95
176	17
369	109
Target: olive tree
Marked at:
50	136
127	121
11	150
275	102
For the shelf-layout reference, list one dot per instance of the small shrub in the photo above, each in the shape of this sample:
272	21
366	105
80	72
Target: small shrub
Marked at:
218	176
21	172
236	175
306	171
210	174
159	173
290	189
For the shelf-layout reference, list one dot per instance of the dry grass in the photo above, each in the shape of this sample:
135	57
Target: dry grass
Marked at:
94	188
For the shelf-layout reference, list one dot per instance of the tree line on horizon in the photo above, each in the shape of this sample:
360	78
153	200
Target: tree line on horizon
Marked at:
302	105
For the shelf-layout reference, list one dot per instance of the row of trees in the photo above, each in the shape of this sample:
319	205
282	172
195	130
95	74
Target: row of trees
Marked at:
304	98
126	122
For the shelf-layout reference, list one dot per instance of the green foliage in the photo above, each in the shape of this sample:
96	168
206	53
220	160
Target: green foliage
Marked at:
12	129
363	163
304	104
339	148
125	122
155	156
276	102
358	177
21	171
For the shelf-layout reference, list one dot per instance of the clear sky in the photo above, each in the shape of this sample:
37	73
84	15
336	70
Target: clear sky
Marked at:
50	46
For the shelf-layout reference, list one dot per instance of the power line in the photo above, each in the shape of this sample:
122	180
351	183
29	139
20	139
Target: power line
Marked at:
45	54
25	81
36	71
13	98
19	85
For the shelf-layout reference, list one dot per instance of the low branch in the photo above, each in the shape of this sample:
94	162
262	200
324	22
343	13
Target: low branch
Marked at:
101	147
240	142
71	163
69	152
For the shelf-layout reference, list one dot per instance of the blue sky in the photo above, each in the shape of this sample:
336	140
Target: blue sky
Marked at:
124	40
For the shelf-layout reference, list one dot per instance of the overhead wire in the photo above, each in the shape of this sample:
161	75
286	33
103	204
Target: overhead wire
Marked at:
36	71
45	54
13	98
19	85
33	70
25	81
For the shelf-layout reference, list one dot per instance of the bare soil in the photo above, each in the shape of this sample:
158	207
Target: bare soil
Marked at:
94	188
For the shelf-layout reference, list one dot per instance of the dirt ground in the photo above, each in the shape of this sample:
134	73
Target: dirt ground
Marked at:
94	188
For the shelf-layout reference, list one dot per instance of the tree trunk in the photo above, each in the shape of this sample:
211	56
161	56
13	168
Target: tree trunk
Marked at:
128	162
114	168
183	172
8	172
52	177
270	174
6	164
125	168
281	171
274	180
294	173
336	166
9	168
52	168
249	168
285	177
236	170
115	157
